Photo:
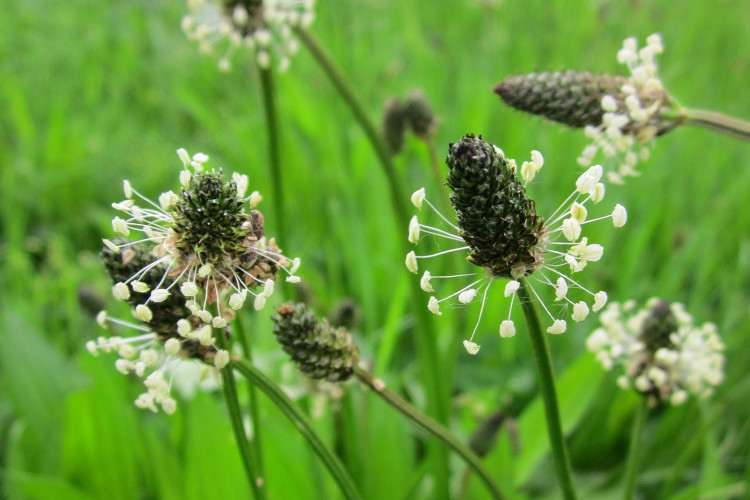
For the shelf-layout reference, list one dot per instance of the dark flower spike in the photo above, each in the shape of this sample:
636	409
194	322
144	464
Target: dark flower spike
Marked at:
664	355
320	350
499	228
621	115
205	244
394	126
194	259
569	97
419	115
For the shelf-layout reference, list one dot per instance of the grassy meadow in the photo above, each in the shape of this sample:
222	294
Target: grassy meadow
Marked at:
92	93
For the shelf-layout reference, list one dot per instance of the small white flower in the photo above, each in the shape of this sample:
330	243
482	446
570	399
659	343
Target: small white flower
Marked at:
511	288
418	197
558	326
143	313
467	296
259	302
222	359
411	262
189	289
471	347
167	200
121	291
600	300
580	311
120	226
619	216
236	301
159	295
433	306
571	229
424	283
609	104
507	329
414	230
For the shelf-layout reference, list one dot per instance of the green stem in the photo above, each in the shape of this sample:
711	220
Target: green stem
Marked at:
256	441
302	424
631	468
548	392
426	342
431	426
718	122
358	110
274	157
257	483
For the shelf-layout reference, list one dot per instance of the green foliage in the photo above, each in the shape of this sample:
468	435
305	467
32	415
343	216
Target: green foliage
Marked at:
94	92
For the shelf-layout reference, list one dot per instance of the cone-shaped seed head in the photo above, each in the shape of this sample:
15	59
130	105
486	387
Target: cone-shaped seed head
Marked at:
320	351
394	126
658	327
497	220
568	97
210	220
419	114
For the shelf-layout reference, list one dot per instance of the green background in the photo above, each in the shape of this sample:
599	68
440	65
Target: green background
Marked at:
95	92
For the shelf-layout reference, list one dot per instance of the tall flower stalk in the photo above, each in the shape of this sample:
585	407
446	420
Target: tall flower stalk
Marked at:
426	345
664	357
499	230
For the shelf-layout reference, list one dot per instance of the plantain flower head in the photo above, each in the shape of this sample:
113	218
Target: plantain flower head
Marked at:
664	355
263	27
501	232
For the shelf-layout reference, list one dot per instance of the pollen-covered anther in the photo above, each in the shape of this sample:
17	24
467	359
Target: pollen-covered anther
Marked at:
507	329
414	230
471	347
558	326
424	283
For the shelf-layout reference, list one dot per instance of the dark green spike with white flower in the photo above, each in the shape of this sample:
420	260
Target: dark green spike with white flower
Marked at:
209	219
569	97
497	220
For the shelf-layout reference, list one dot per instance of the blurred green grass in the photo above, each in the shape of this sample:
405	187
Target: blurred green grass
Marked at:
94	92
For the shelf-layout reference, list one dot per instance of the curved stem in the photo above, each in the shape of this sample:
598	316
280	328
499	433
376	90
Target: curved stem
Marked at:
548	393
257	484
426	342
431	426
301	423
256	441
274	157
718	122
631	468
